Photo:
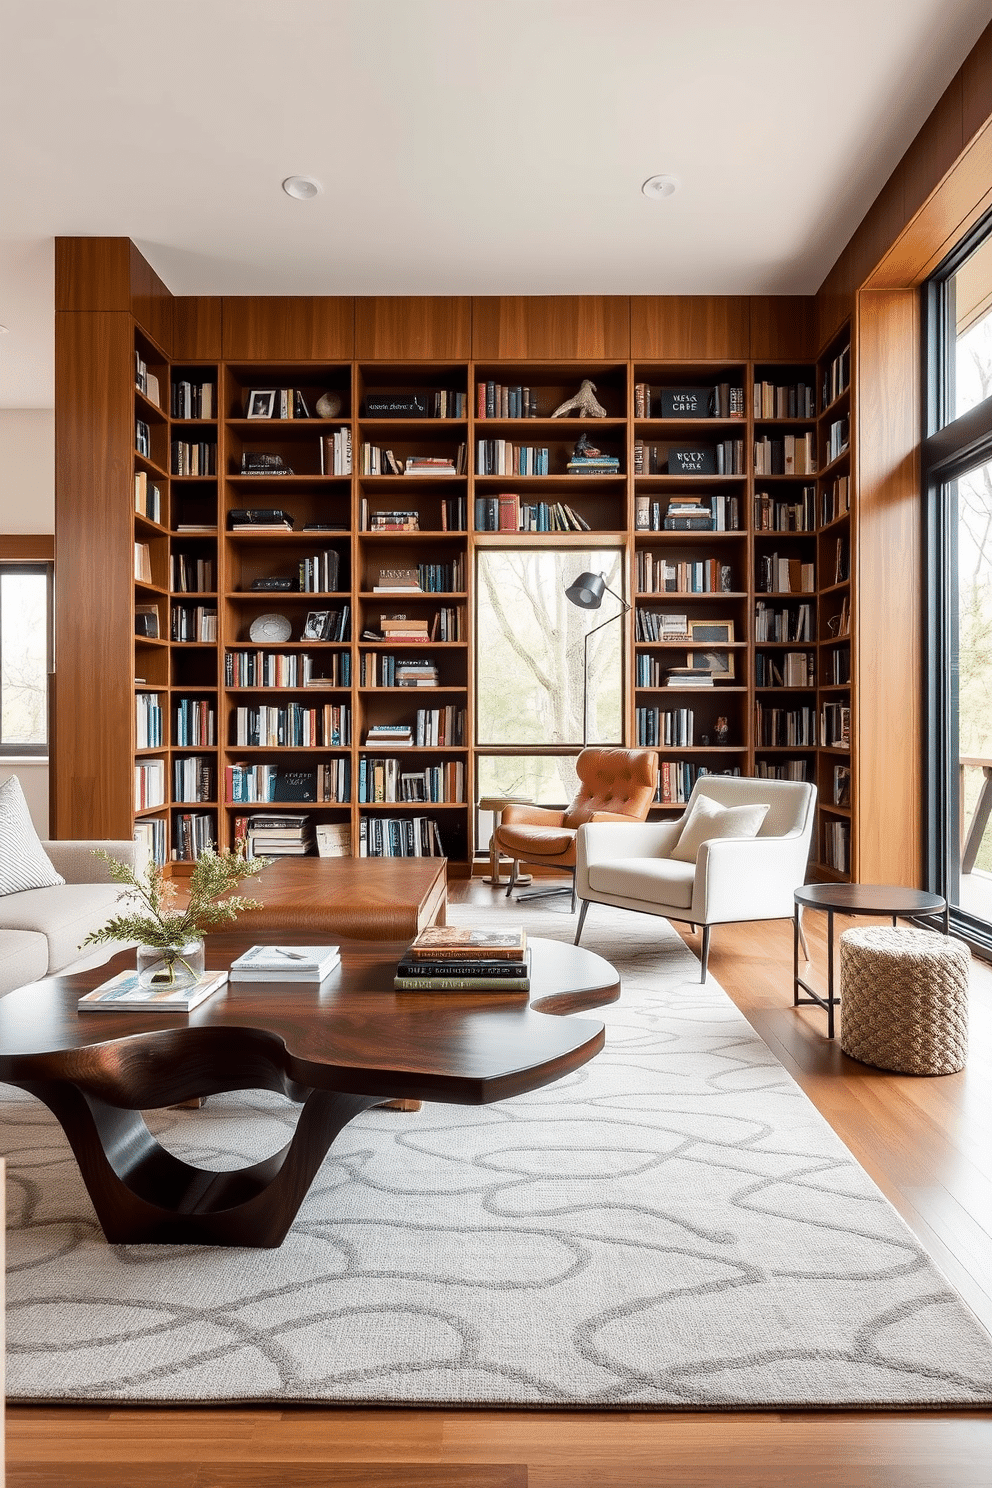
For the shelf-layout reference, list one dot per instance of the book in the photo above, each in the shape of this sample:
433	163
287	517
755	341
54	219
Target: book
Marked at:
517	987
123	993
482	968
452	942
272	963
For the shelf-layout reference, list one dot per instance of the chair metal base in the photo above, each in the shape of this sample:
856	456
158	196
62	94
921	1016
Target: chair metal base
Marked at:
540	893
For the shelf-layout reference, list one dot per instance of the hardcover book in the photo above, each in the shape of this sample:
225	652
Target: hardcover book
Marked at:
452	941
123	994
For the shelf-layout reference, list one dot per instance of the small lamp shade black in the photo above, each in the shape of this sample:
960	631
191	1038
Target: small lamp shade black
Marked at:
587	591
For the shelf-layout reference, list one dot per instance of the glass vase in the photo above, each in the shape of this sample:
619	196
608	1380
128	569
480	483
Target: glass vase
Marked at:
171	967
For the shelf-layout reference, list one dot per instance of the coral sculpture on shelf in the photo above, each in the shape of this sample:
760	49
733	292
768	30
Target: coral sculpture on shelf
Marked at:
584	404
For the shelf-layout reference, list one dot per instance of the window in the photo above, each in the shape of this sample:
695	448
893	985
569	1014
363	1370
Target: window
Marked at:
25	608
958	472
530	652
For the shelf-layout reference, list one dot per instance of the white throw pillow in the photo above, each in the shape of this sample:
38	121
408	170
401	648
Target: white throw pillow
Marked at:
24	864
709	819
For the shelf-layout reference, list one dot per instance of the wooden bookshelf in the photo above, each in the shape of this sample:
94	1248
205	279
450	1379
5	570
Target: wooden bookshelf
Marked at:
764	713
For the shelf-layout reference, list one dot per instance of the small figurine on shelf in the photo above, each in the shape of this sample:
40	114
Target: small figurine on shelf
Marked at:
722	730
583	449
584	404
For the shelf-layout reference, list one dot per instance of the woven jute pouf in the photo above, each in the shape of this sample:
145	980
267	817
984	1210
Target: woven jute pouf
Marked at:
904	1000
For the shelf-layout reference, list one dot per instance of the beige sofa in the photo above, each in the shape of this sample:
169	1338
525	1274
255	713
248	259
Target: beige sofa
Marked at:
41	929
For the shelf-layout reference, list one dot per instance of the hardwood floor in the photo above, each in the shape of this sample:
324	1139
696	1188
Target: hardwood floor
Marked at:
926	1142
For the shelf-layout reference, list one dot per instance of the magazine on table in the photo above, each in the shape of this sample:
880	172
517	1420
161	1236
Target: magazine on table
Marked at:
123	993
290	963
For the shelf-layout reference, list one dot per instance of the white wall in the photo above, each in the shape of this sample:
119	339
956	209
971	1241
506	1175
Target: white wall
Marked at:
27	470
27	504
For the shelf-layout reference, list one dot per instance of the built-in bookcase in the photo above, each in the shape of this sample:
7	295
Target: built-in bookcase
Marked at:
725	483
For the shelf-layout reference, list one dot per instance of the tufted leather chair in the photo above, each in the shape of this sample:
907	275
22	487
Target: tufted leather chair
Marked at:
615	785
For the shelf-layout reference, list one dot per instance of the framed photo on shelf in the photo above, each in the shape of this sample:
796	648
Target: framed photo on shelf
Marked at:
318	626
718	633
261	403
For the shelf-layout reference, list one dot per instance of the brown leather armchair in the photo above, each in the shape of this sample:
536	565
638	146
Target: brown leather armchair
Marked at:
614	785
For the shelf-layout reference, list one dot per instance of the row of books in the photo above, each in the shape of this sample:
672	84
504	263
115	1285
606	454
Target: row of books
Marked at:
775	574
327	783
149	784
150	843
142	438
840	665
660	626
193	778
193	400
789	514
835	499
293	726
783	622
838	438
381	669
195	724
836	377
509	513
193	457
192	833
676	779
190	574
389	780
665	728
335	453
784	400
283	669
837	844
794	769
725	400
321	573
143	563
433	728
399	837
657	574
378	461
718	513
835	725
501	457
455	959
778	728
146	382
785	669
193	623
494	400
147	497
389	521
793	454
148	720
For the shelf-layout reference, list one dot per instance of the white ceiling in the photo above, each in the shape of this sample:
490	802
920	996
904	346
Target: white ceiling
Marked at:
465	146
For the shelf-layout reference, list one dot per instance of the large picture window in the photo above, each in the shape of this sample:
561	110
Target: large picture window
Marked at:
529	669
958	474
25	604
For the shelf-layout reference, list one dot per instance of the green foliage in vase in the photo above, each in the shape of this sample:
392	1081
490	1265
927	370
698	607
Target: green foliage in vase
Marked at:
156	916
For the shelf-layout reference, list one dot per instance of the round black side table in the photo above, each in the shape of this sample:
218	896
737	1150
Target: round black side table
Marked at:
853	899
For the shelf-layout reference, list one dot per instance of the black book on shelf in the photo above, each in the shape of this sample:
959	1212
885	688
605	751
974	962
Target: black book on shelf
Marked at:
396	405
263	516
295	785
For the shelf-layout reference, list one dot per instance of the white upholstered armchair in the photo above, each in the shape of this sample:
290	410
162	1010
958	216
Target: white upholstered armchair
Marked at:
721	877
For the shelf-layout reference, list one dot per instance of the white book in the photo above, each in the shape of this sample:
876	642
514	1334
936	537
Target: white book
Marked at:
122	994
273	963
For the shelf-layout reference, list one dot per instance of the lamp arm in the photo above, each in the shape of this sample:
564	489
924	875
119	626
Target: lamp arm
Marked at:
585	661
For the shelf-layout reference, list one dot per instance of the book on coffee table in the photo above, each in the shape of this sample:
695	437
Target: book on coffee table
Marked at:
122	994
274	963
444	942
483	974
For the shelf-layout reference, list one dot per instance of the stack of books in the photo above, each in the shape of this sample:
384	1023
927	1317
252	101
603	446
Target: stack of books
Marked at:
259	462
404	628
435	464
285	964
446	958
124	993
593	465
259	519
688	677
288	835
687	514
394	734
415	674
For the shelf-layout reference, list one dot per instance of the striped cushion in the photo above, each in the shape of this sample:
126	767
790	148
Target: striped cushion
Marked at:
24	864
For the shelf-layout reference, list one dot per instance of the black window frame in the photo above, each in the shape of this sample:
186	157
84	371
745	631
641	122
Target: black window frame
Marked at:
950	447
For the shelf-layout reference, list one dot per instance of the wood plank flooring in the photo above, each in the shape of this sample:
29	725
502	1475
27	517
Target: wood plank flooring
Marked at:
926	1142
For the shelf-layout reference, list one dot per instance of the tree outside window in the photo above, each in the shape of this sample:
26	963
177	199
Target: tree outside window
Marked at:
24	647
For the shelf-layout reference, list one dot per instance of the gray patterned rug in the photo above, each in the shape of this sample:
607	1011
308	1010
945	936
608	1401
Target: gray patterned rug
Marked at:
673	1225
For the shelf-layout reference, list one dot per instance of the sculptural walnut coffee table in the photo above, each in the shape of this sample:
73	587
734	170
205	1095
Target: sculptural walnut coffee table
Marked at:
337	1048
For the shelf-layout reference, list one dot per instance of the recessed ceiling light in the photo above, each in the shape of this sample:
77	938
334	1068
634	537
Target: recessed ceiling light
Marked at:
659	186
301	187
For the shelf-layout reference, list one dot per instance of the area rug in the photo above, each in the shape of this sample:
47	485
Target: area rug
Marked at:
674	1225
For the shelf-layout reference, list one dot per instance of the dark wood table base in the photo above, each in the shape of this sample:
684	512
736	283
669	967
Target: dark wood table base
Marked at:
337	1050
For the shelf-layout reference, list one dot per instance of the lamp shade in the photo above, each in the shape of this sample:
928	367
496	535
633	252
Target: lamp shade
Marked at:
587	591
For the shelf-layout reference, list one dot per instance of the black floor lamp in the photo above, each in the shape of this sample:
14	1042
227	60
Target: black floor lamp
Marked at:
587	592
